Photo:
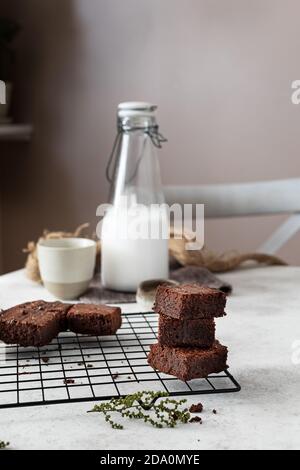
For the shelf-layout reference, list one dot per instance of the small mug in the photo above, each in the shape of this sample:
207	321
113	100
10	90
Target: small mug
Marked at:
67	265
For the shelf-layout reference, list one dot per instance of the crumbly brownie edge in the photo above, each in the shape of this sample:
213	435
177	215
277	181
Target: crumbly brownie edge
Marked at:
94	323
182	305
187	366
43	323
196	333
26	335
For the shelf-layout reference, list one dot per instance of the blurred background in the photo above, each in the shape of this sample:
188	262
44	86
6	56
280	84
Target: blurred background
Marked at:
220	71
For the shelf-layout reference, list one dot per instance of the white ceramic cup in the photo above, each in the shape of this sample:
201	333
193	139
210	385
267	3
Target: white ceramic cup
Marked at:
67	265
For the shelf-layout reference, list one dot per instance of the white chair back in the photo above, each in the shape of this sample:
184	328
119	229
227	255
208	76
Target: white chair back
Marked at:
246	199
242	199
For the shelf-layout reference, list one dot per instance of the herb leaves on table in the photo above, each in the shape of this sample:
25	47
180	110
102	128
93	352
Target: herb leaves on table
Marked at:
154	408
3	444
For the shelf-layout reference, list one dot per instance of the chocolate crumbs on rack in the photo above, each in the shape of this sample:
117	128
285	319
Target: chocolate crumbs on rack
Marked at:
214	412
69	381
196	419
196	408
45	359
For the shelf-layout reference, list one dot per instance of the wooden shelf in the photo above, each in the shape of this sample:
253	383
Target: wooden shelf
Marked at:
15	132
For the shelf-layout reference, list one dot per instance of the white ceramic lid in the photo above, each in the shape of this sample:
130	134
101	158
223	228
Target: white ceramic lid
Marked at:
136	108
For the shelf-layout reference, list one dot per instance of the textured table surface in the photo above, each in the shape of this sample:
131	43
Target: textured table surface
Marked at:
262	330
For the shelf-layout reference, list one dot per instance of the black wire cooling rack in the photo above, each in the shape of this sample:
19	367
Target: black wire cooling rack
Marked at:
75	368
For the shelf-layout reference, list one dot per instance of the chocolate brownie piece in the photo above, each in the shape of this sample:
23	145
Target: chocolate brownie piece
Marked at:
94	319
189	301
33	323
199	333
188	363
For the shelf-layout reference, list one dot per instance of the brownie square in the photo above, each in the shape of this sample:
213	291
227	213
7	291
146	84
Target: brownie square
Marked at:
199	333
188	363
94	319
33	323
189	301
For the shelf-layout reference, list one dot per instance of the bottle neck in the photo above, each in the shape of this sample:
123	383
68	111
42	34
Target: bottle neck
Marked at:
133	167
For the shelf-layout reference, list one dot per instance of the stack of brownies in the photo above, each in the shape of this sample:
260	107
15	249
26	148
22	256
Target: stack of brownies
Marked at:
186	346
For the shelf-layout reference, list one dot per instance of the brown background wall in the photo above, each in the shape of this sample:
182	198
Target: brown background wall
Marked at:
220	70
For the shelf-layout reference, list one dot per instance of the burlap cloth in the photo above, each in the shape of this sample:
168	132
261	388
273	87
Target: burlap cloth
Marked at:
185	266
97	294
204	258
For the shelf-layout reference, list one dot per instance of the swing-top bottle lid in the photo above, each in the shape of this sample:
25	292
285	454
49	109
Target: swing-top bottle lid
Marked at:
136	108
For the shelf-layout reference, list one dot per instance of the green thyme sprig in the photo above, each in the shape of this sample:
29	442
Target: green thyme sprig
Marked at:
145	406
3	444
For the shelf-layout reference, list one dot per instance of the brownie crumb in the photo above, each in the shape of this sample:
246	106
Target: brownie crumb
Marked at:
45	359
196	419
69	381
80	363
214	412
115	376
90	365
196	408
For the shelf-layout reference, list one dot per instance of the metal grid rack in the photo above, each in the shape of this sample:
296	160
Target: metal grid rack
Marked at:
75	368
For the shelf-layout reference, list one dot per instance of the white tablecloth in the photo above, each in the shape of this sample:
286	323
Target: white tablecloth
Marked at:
262	326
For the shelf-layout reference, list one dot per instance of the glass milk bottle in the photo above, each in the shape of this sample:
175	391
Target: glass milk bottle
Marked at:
135	231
